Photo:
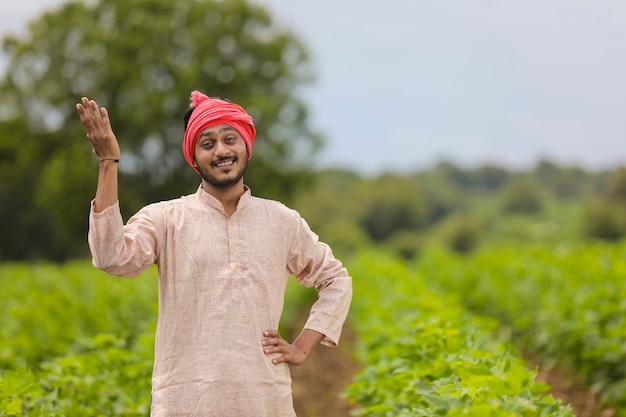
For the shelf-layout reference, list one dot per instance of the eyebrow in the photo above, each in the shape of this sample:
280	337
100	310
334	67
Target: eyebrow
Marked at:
211	133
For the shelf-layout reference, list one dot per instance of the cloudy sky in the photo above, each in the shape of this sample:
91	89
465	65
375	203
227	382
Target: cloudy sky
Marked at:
402	84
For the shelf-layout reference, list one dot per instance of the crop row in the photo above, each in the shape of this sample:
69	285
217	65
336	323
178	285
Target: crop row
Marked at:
564	304
76	341
50	310
424	355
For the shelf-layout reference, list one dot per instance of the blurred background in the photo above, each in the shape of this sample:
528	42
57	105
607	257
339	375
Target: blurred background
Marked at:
474	82
451	100
480	145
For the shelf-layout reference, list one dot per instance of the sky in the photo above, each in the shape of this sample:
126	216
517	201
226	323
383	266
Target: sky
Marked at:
403	84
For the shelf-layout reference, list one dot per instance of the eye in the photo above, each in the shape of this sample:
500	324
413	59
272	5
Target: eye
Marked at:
231	139
207	144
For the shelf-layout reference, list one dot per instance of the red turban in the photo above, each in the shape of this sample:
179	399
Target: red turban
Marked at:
211	112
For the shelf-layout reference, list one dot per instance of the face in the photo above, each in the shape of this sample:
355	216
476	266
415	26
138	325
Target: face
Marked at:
221	156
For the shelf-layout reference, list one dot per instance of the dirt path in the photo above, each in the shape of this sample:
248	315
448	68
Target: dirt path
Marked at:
583	401
319	382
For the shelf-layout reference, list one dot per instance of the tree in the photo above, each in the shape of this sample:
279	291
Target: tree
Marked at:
141	59
604	217
615	186
327	200
568	182
603	220
453	173
391	204
490	176
521	196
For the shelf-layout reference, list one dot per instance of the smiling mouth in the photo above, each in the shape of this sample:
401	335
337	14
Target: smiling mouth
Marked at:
224	163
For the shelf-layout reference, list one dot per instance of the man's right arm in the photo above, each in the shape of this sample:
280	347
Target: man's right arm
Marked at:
112	248
104	144
106	193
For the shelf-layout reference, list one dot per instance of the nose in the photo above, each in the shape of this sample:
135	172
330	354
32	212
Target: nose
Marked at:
221	148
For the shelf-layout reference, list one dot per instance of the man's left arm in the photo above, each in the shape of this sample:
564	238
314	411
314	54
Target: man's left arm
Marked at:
313	264
294	353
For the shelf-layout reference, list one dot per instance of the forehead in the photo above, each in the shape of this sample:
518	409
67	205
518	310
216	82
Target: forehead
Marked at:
217	129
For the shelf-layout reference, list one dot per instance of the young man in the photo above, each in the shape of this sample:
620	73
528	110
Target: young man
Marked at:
224	258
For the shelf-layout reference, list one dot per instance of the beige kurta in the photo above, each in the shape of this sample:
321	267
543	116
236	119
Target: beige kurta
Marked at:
221	283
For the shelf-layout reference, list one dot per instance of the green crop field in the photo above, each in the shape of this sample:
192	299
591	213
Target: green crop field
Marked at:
425	355
76	341
440	335
565	303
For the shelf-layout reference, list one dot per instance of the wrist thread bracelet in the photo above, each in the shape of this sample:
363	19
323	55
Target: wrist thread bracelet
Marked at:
110	159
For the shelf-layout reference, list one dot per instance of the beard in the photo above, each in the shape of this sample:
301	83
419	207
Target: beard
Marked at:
225	179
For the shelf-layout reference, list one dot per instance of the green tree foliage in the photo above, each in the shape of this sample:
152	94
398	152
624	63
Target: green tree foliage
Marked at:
604	217
521	196
453	173
545	171
491	176
391	204
615	187
602	220
570	183
406	244
461	233
563	182
329	198
344	236
140	59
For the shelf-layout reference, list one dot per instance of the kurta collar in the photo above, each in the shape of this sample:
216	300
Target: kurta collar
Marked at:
209	200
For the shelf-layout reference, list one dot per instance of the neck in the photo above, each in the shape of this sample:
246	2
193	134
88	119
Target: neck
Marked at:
228	196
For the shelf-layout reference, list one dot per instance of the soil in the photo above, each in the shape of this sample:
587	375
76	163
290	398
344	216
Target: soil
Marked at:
583	401
319	383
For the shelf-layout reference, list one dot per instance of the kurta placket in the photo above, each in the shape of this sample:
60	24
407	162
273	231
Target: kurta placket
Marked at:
235	262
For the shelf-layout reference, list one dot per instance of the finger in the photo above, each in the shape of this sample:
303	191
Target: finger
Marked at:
84	102
279	360
273	349
95	112
271	333
275	341
84	111
283	354
81	108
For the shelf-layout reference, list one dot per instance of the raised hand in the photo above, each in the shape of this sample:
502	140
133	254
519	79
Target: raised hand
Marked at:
98	127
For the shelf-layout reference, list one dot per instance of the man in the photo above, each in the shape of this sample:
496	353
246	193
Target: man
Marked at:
224	258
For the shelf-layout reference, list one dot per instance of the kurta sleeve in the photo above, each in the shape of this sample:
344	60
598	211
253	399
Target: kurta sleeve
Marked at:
314	265
122	250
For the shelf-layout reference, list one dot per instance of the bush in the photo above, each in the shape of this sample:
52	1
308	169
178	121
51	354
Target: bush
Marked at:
405	243
461	233
343	236
615	186
603	220
521	197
